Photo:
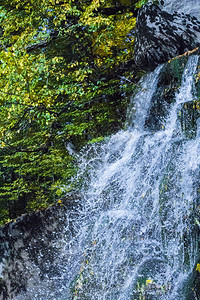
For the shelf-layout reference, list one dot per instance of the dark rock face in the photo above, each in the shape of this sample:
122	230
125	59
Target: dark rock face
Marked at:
28	247
161	36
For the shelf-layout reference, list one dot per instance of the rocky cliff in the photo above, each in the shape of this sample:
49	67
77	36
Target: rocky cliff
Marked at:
161	36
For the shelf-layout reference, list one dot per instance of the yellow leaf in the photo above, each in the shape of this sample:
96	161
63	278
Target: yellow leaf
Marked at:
149	281
198	268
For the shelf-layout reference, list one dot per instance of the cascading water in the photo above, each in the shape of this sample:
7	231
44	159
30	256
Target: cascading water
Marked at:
135	237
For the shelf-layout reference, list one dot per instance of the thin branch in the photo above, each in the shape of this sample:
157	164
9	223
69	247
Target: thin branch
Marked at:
19	121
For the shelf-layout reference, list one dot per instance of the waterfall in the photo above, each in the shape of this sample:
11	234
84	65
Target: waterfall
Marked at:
135	235
141	102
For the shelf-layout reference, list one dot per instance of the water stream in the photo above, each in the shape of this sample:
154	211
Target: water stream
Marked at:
135	237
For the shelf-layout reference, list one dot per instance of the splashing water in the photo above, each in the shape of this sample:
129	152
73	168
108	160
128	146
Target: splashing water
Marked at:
134	235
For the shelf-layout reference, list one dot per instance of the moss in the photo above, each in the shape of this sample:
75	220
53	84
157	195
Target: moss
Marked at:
188	118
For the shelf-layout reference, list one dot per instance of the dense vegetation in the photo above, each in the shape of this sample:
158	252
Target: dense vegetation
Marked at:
67	67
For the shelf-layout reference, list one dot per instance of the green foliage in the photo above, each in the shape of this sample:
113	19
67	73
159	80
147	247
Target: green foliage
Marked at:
64	79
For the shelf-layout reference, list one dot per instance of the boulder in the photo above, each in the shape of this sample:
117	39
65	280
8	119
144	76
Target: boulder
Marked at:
160	36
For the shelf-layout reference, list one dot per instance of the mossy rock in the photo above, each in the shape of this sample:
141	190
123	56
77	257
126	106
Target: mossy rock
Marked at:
188	116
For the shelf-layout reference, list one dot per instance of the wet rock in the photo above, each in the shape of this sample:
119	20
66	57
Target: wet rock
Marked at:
189	116
28	246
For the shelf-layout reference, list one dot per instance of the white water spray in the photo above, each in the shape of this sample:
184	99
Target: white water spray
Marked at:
134	236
